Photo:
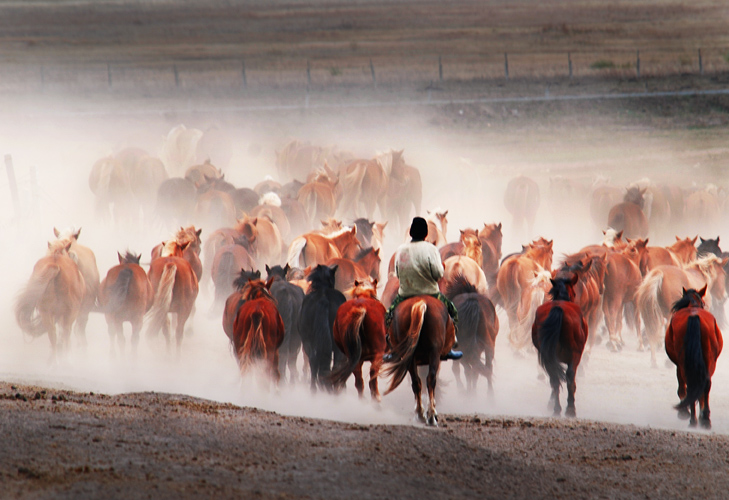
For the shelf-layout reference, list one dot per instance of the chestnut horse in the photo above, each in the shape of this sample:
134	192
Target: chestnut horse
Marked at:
312	248
175	290
628	216
622	279
693	344
264	239
189	239
421	333
365	266
125	295
359	332
236	300
478	326
258	330
227	263
319	198
364	187
54	295
559	333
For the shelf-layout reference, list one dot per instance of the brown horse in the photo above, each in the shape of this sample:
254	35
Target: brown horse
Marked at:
364	267
421	333
312	249
235	300
560	333
319	198
53	296
125	295
622	279
404	190
175	290
628	216
86	261
227	263
521	200
491	240
264	238
693	344
364	187
274	213
359	332
649	257
684	250
258	330
477	329
189	239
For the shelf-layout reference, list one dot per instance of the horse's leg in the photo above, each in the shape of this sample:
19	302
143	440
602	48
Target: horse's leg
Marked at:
431	381
374	374
692	419
166	331
704	407
81	322
136	330
571	388
274	371
114	334
456	367
609	312
554	398
683	413
358	379
50	327
417	389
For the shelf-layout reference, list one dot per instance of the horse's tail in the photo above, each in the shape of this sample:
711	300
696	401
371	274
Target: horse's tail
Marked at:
648	302
472	331
255	345
118	291
403	353
550	332
353	347
508	287
526	322
697	376
30	297
223	279
157	315
295	250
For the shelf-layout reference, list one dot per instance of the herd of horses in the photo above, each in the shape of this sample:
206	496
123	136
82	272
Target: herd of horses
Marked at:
321	297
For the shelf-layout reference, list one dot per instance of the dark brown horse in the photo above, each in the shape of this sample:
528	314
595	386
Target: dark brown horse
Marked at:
559	333
359	332
421	333
235	300
628	216
693	343
125	295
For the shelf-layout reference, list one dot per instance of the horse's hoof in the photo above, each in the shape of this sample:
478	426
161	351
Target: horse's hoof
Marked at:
420	417
611	346
620	345
641	348
705	423
571	413
683	414
557	413
692	423
432	421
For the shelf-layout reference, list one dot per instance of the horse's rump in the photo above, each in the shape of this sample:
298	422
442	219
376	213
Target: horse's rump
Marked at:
404	351
347	329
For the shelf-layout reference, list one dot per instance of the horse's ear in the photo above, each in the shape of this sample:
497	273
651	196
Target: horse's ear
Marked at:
702	292
268	270
499	226
323	222
683	291
49	245
383	225
586	267
445	213
334	269
619	236
254	221
357	283
377	252
68	246
629	240
307	271
717	240
644	243
374	283
286	270
257	274
604	232
678	239
354	230
121	259
56	232
693	242
703	240
269	282
198	232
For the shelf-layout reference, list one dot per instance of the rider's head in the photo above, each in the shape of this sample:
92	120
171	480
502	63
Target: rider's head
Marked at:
418	229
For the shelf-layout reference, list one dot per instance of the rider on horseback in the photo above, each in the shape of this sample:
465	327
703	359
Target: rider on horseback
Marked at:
418	267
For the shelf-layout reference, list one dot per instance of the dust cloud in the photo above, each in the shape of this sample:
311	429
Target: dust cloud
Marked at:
57	139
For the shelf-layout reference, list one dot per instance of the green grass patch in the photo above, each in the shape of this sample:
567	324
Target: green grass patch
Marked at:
334	71
602	64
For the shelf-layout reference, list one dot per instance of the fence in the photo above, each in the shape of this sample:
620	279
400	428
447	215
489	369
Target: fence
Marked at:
258	73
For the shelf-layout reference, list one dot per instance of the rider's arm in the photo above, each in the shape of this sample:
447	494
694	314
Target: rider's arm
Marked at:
436	265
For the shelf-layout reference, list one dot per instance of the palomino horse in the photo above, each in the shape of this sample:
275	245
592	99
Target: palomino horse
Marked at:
359	332
314	248
462	265
54	295
521	200
364	186
86	261
289	298
316	323
662	287
693	343
176	288
125	295
258	330
437	235
236	300
628	216
478	326
559	333
421	333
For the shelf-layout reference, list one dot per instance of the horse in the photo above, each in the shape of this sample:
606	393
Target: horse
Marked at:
622	279
421	333
270	208
365	265
319	198
491	240
258	330
86	261
289	299
314	248
478	326
53	296
235	300
559	334
693	344
175	288
316	323
628	216
364	187
227	263
179	149
684	250
125	294
176	199
404	190
468	268
359	332
264	237
662	287
437	235
521	200
189	239
649	257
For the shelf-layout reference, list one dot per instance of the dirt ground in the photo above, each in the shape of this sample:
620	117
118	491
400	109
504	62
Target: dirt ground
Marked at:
79	80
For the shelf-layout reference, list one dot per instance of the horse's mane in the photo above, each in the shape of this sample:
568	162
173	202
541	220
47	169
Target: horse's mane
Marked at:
170	248
458	286
559	290
362	290
244	277
364	227
130	258
362	253
704	264
256	289
321	277
687	300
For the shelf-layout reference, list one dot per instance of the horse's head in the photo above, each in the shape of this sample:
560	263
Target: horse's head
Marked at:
129	258
564	288
322	277
441	216
256	288
59	247
690	298
171	248
347	242
331	225
191	237
635	195
540	251
278	272
244	277
613	239
685	249
472	245
247	227
370	260
68	234
364	231
636	249
709	246
363	289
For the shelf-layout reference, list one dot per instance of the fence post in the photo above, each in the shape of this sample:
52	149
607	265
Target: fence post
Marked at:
637	63
13	184
308	75
372	71
440	68
701	64
506	65
177	75
569	63
108	73
243	72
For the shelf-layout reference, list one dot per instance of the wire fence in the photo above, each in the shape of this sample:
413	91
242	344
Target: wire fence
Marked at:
397	70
